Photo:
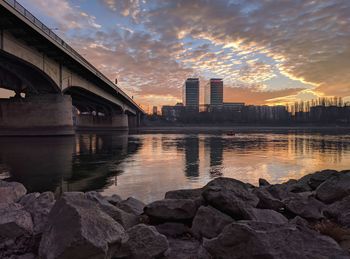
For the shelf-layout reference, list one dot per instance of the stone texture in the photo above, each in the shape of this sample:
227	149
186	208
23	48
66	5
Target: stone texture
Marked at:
39	206
171	209
263	182
230	201
340	211
209	222
77	228
186	249
192	194
267	201
263	215
173	229
113	199
254	239
131	205
334	188
11	192
305	206
143	242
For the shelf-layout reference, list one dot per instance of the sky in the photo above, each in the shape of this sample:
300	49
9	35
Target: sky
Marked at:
267	51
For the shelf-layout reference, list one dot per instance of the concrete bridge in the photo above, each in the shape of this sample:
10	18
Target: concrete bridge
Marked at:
57	91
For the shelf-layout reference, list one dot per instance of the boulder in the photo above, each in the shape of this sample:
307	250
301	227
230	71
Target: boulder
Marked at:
172	229
186	249
11	192
131	205
192	194
334	188
267	201
263	215
143	242
318	178
124	218
39	206
171	210
253	239
227	183
14	221
305	206
340	211
77	228
209	222
263	182
113	199
230	201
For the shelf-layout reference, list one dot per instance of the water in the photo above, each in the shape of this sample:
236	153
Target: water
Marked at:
148	165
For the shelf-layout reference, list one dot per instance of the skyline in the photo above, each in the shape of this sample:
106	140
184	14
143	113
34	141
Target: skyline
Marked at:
266	52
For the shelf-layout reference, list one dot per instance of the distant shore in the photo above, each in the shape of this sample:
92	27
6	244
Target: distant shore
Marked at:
241	128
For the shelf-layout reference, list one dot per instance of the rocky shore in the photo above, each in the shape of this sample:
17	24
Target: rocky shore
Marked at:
305	218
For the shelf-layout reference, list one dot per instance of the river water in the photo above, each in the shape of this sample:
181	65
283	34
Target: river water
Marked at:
148	165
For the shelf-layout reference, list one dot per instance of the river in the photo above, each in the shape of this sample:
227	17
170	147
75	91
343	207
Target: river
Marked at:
148	165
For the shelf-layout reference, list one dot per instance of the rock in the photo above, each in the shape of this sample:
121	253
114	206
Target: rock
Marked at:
262	215
301	185
280	191
124	218
209	222
318	178
192	194
186	249
305	206
340	211
334	188
172	229
39	206
143	242
77	228
254	239
299	221
267	201
171	210
11	192
131	205
263	182
227	183
14	222
230	201
114	199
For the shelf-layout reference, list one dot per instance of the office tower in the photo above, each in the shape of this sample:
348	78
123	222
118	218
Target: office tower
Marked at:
155	110
191	94
214	93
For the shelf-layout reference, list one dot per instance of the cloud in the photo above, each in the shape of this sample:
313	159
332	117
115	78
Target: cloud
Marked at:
130	8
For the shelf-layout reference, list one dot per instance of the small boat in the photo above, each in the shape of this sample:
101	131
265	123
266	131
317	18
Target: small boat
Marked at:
231	133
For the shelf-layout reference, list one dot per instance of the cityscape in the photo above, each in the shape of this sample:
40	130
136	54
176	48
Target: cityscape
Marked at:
323	110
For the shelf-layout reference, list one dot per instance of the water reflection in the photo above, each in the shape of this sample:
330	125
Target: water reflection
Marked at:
146	166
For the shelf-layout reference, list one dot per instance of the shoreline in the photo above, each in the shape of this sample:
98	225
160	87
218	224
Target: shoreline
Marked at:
226	218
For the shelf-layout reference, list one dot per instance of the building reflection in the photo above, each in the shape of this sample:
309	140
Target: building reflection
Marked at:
191	144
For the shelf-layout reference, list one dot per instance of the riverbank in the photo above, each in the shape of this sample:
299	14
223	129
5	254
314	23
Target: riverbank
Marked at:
305	218
241	128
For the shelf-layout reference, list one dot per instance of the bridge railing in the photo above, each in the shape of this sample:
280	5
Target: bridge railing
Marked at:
30	17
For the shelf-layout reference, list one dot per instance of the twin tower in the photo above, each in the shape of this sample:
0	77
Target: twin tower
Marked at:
213	93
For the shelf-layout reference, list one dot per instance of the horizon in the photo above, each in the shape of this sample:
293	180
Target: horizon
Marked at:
266	53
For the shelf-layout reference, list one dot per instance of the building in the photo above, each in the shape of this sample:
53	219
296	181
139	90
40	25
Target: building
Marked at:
155	110
190	94
233	107
172	113
214	93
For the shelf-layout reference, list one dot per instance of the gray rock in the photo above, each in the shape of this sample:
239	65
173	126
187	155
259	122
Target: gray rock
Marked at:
263	215
230	201
334	188
209	222
186	249
114	199
131	205
267	201
228	184
39	206
318	178
11	192
143	242
255	239
305	206
172	229
192	194
171	209
14	222
263	182
340	211
124	218
77	228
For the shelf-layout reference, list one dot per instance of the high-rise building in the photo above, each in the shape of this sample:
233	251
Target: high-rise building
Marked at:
190	94
155	110
214	93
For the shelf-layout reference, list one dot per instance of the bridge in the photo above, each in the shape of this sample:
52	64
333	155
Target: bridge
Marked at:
56	90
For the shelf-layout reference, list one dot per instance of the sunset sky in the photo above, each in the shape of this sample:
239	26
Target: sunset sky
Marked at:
267	51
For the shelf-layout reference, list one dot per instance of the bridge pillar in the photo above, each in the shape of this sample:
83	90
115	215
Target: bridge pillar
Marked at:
36	115
86	122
